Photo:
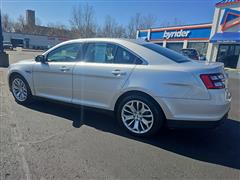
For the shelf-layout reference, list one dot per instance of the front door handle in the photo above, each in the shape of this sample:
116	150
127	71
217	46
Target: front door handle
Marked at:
118	72
64	69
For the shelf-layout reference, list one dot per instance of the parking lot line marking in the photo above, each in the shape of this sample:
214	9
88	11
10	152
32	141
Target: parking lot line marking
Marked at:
45	138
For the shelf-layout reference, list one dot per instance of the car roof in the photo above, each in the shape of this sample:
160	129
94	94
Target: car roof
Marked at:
134	45
113	40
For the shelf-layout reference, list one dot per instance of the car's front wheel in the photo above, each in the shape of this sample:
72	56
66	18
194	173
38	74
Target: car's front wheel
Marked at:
140	115
20	89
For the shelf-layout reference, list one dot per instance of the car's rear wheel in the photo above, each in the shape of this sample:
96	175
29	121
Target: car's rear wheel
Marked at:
139	115
20	90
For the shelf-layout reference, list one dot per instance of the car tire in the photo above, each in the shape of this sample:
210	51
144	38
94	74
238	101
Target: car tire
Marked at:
147	119
20	90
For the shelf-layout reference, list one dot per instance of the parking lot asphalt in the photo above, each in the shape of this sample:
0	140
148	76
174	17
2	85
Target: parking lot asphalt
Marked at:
45	140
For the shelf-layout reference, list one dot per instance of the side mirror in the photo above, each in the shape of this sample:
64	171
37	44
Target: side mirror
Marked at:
40	58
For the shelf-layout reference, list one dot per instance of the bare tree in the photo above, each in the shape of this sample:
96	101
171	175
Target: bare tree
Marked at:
120	32
57	29
38	22
108	27
140	22
175	22
7	23
19	25
83	21
111	28
148	21
133	25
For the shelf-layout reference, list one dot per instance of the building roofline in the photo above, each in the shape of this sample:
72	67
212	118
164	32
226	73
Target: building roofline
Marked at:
34	34
178	27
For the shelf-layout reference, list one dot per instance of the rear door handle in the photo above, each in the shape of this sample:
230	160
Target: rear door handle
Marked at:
118	72
64	69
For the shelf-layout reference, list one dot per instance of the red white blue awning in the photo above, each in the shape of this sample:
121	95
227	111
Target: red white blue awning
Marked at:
227	2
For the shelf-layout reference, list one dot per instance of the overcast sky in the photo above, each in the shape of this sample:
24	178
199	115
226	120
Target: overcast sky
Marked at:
59	11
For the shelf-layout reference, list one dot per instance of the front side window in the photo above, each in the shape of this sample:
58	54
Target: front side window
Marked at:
65	53
100	53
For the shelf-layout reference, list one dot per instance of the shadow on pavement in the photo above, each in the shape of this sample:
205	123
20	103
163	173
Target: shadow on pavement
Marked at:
219	146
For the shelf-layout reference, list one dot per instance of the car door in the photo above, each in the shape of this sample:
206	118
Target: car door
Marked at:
53	78
102	74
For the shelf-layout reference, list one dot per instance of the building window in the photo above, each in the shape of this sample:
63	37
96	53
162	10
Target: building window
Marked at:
175	46
228	54
201	47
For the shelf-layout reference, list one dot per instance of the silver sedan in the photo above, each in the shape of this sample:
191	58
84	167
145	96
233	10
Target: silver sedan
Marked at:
146	85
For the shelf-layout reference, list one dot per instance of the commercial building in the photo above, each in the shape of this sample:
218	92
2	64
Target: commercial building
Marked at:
218	41
30	41
35	36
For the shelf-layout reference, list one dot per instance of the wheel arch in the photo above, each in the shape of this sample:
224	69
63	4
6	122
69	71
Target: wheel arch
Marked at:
11	75
137	92
15	73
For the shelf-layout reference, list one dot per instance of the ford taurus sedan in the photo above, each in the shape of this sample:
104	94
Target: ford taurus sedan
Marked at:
146	85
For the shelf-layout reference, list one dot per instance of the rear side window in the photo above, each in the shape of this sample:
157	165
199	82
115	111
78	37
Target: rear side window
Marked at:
100	53
124	57
174	56
109	53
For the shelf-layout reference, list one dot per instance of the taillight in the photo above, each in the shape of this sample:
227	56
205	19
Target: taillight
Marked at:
213	81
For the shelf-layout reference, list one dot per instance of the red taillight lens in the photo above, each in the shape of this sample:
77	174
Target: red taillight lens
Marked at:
213	81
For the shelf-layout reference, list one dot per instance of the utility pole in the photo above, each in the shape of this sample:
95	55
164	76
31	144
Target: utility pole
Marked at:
4	61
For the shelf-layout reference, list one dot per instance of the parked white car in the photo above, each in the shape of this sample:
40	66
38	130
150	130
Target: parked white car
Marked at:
146	85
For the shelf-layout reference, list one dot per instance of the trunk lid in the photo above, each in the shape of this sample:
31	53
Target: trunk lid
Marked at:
198	68
202	67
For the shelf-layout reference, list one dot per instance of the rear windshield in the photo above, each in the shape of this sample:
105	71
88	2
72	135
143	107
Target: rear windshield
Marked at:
176	57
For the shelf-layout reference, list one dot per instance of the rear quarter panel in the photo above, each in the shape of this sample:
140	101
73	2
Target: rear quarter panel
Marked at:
164	82
167	82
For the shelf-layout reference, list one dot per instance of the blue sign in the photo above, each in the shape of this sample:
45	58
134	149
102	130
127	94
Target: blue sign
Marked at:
176	34
142	34
196	33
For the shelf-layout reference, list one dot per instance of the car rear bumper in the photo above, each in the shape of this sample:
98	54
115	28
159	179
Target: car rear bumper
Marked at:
205	110
183	124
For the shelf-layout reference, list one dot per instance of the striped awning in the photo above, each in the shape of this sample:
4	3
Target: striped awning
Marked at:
227	2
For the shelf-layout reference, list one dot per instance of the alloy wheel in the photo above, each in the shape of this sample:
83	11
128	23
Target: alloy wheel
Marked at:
137	116
19	89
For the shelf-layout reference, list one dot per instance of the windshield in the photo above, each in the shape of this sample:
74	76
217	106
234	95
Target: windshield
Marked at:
176	57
